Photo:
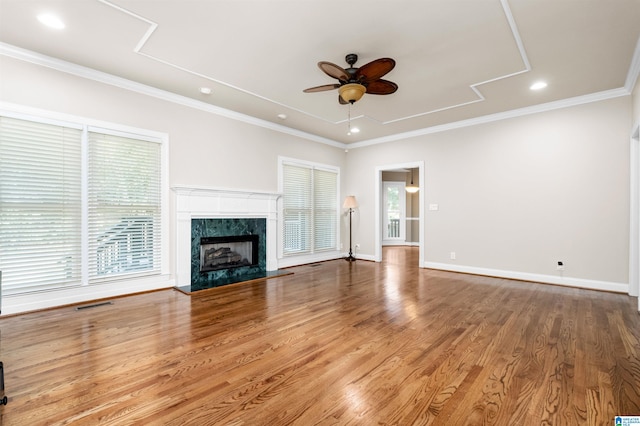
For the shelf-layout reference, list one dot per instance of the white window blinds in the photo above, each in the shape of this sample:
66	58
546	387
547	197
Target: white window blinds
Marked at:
310	211
40	205
124	206
76	207
298	203
325	193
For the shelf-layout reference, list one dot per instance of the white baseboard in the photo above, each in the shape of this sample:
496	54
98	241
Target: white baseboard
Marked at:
287	262
16	304
366	257
540	278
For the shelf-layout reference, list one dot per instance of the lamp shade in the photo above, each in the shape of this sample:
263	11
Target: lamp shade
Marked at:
352	92
350	202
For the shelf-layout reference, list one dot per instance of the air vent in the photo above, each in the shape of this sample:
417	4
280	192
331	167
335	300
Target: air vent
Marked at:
95	305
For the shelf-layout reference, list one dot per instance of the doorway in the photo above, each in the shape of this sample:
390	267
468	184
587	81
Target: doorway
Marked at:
384	219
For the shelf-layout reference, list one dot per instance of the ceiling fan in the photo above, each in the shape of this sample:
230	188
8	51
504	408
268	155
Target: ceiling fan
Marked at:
354	82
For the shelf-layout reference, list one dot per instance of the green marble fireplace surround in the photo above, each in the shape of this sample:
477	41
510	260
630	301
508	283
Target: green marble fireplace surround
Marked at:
214	212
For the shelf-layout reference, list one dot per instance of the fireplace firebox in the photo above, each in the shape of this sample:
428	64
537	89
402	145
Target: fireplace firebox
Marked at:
226	252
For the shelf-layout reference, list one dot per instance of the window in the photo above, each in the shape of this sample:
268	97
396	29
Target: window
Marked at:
40	205
78	205
310	208
394	199
123	205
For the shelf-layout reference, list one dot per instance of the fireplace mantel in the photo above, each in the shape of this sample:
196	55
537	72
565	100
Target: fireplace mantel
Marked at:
193	202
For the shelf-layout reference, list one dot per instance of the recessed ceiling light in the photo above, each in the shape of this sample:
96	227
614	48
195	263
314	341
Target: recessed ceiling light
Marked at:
538	85
51	21
205	90
282	116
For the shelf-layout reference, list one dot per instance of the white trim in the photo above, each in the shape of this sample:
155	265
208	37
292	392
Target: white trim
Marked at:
196	202
539	278
304	163
634	213
363	257
285	261
289	261
50	299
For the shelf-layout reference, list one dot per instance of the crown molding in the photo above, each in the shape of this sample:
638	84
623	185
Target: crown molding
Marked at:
123	83
102	77
550	106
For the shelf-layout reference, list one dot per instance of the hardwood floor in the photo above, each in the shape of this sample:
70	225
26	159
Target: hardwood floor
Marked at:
335	343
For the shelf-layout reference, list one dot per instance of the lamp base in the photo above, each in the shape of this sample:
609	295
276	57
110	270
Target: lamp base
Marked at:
350	258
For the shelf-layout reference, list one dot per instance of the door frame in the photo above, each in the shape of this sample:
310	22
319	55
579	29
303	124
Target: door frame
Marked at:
378	207
634	214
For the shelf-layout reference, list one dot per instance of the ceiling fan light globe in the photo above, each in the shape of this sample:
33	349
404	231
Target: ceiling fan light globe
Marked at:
352	92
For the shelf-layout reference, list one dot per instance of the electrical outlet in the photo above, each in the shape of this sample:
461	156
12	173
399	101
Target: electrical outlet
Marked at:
560	266
452	255
358	246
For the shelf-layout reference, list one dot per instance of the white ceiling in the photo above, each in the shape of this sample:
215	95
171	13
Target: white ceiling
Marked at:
455	59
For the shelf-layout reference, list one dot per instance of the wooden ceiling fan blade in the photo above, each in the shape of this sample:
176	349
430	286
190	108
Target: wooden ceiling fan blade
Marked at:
374	70
333	70
381	87
322	88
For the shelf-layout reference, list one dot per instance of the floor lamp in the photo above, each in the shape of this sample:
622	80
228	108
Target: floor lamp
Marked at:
350	203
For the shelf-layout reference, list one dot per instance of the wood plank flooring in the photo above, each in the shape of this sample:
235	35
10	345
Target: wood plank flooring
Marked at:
336	343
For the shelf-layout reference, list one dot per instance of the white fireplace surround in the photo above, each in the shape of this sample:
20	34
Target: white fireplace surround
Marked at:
212	203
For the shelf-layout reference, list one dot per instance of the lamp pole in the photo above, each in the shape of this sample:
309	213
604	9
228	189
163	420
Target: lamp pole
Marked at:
350	203
350	258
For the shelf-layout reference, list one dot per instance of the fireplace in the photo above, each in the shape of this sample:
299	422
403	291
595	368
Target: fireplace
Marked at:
226	252
216	212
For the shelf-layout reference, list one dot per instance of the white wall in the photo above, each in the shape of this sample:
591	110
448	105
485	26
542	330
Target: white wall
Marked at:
518	195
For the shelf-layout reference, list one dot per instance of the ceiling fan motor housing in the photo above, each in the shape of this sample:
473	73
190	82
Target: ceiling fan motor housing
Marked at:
351	58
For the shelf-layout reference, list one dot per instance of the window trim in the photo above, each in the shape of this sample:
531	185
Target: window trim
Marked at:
119	286
315	256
